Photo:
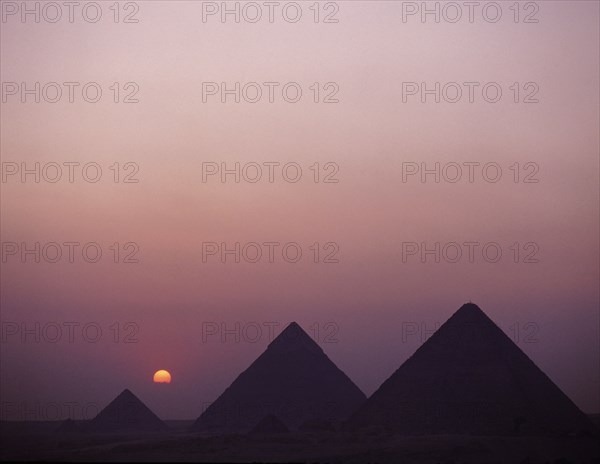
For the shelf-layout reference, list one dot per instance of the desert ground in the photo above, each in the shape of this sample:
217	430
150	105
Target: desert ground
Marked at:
30	441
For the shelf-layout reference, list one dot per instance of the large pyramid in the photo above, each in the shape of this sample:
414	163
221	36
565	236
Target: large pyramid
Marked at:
469	378
293	380
126	413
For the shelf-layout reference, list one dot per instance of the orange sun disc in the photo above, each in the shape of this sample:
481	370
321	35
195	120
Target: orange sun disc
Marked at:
162	376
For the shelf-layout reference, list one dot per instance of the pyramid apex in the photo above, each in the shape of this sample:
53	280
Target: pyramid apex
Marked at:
294	336
293	326
470	306
469	313
292	330
127	396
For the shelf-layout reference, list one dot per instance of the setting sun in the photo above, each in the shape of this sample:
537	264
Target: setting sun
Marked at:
162	376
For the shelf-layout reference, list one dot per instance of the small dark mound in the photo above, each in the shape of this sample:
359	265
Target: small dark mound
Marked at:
269	425
317	425
68	426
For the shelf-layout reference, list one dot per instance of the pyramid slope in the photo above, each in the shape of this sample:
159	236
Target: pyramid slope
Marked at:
126	413
470	378
293	380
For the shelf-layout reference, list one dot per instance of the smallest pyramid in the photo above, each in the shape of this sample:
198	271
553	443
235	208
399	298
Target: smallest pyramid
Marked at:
68	426
126	413
317	425
269	425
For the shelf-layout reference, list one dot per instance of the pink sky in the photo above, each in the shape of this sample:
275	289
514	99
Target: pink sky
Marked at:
369	213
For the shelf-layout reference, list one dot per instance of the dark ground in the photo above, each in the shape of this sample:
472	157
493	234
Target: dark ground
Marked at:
23	441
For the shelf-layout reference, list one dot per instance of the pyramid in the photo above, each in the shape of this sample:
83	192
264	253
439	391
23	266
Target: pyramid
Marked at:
126	413
469	378
293	380
269	425
68	426
317	425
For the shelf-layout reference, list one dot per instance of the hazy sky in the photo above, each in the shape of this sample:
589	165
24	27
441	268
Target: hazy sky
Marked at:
366	307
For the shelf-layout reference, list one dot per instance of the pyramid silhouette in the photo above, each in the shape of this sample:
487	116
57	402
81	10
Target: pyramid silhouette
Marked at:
126	413
269	425
293	380
469	378
68	426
